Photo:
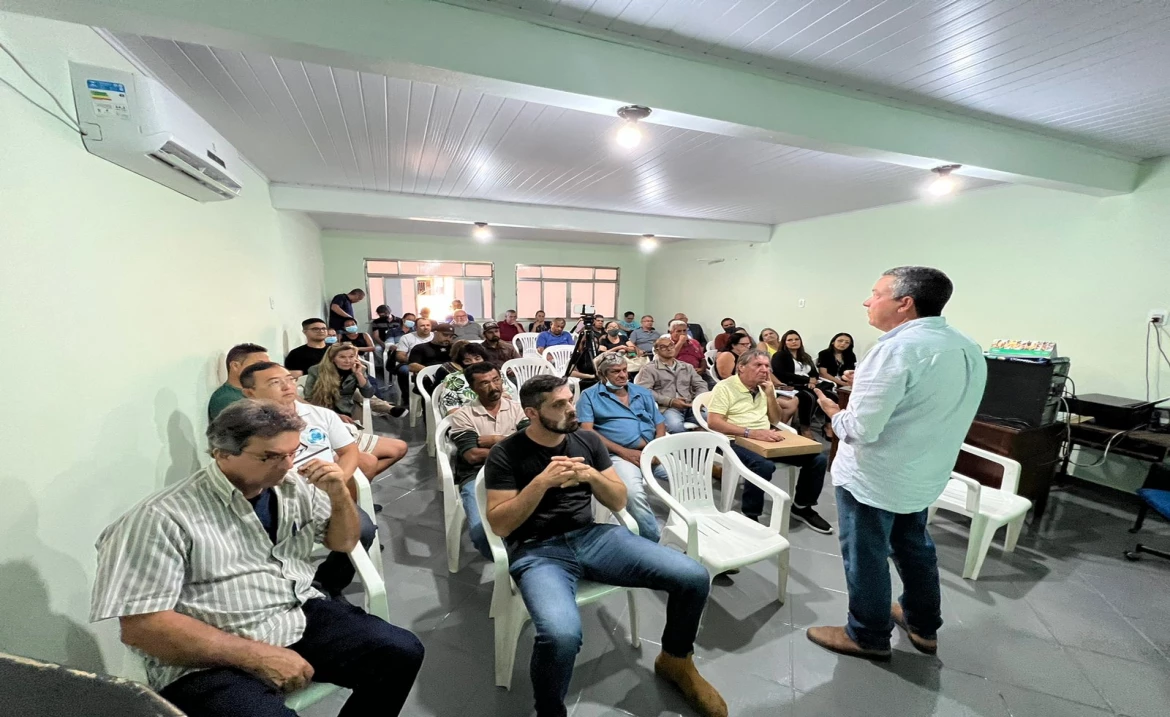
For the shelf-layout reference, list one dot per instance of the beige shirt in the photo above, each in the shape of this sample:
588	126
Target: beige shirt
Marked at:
198	548
474	417
667	383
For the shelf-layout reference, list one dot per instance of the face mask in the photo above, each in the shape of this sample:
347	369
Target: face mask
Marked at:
611	387
409	324
613	332
729	330
330	339
351	329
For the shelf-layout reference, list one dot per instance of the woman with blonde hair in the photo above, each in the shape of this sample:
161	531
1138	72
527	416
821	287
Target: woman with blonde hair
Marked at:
340	376
769	341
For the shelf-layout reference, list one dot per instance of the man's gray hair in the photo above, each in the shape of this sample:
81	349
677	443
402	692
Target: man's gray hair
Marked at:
930	288
749	355
608	361
243	420
676	322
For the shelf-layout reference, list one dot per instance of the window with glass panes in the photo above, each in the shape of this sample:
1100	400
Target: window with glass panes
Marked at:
410	286
557	289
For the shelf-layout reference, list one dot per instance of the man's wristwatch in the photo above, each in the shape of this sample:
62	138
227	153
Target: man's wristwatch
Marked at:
747	432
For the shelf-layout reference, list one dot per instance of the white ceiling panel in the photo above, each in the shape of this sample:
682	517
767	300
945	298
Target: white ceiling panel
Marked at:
313	125
412	227
1097	71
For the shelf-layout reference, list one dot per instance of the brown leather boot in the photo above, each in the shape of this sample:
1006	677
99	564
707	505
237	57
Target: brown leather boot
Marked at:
837	640
698	692
929	647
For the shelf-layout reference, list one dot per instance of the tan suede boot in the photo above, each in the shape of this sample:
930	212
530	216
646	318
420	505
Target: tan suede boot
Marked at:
699	693
838	640
929	647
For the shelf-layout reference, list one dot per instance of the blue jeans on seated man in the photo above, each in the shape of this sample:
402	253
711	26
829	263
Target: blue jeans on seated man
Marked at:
675	419
474	524
869	537
808	485
336	572
547	572
637	502
345	645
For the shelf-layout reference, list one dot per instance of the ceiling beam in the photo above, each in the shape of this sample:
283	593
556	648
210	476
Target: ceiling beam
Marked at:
507	56
468	211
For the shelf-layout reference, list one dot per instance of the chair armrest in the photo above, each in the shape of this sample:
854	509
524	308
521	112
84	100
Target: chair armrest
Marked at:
623	516
781	501
500	565
367	417
372	582
365	497
675	507
1011	469
974	490
781	425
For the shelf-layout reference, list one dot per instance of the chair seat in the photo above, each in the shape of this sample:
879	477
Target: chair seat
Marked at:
995	504
1159	500
728	540
314	693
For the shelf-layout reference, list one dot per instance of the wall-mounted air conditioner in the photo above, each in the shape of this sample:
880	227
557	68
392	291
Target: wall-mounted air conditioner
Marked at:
135	122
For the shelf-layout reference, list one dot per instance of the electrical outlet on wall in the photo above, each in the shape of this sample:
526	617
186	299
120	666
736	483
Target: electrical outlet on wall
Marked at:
800	303
1157	317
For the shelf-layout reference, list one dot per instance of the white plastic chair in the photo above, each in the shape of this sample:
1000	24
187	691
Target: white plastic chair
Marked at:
525	344
719	540
988	508
559	357
508	608
453	514
416	400
711	345
709	355
369	571
698	406
517	371
428	401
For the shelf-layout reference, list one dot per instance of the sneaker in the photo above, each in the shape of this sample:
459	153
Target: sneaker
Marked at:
399	411
812	519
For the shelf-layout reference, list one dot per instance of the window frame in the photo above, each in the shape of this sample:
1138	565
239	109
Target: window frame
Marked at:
414	277
616	281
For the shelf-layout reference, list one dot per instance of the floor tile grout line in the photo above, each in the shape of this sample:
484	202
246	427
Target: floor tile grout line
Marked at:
1124	617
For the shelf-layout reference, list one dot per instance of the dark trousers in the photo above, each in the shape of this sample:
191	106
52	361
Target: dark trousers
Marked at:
808	484
336	572
869	536
345	645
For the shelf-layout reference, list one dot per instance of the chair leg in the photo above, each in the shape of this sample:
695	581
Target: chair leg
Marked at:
415	408
454	536
782	575
1141	518
508	628
1013	534
977	546
635	640
930	513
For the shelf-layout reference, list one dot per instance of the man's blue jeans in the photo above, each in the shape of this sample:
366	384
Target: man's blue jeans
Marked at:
547	572
474	524
868	537
675	419
637	503
808	484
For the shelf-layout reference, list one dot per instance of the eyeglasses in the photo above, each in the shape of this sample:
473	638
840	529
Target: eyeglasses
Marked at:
269	456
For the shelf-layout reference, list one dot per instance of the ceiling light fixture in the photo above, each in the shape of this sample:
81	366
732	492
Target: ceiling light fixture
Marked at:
648	243
482	232
630	135
944	183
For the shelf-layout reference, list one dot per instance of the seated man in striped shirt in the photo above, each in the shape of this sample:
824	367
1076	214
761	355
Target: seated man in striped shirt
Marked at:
211	580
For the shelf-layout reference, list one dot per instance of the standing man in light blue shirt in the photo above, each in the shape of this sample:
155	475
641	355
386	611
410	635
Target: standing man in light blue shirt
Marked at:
914	397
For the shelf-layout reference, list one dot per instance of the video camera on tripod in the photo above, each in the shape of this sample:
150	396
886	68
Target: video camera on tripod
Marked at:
585	349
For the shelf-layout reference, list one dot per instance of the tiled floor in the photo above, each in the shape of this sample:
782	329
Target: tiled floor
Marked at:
1064	627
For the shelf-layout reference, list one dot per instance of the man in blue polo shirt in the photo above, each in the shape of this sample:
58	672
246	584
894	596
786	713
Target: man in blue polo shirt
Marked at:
626	417
555	336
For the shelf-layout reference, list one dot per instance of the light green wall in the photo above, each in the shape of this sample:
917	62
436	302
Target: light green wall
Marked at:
1026	262
120	297
345	254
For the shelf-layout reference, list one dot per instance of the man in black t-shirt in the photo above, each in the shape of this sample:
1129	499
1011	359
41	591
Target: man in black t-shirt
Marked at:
302	358
434	352
341	308
541	483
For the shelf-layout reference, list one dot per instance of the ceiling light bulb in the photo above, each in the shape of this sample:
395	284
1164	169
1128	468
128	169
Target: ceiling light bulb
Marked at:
482	232
648	243
630	135
944	183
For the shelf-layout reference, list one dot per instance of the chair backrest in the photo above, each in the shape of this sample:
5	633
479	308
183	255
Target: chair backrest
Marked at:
1010	482
368	359
517	371
445	454
711	345
428	372
301	380
436	405
699	408
710	355
559	356
689	460
525	344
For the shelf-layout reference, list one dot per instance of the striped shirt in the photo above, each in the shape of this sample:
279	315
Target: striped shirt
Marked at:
198	548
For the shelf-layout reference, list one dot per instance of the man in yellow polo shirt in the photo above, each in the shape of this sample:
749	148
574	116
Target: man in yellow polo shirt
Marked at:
744	405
